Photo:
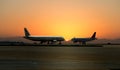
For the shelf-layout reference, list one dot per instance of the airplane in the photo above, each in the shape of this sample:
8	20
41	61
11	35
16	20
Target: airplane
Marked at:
84	40
43	39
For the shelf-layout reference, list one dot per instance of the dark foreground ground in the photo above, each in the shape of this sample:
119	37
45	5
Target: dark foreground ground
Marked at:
59	58
48	45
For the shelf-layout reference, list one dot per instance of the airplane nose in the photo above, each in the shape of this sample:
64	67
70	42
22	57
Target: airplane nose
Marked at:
73	39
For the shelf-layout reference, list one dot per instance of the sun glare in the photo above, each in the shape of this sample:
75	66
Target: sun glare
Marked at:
66	29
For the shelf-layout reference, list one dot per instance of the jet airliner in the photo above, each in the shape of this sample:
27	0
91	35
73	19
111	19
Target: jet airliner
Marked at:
43	39
84	40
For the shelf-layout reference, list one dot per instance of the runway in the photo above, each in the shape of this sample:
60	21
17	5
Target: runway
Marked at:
59	58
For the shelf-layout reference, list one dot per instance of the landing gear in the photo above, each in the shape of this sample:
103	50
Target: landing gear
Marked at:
34	43
60	42
41	42
48	42
83	43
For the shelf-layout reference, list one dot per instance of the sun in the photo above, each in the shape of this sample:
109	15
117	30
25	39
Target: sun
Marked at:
67	30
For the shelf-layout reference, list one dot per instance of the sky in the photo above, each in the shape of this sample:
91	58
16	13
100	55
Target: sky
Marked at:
67	18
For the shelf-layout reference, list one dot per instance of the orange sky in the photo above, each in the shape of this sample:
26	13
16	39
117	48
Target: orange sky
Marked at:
67	18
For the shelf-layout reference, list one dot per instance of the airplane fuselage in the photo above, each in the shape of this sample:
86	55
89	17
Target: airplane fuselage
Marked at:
45	38
82	39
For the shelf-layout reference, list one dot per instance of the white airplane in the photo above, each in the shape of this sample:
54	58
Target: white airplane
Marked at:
84	40
43	39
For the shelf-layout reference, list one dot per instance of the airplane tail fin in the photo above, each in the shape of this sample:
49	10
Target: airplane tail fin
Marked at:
94	35
27	34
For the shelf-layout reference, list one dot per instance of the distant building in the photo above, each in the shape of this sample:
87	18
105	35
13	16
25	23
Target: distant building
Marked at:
10	43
